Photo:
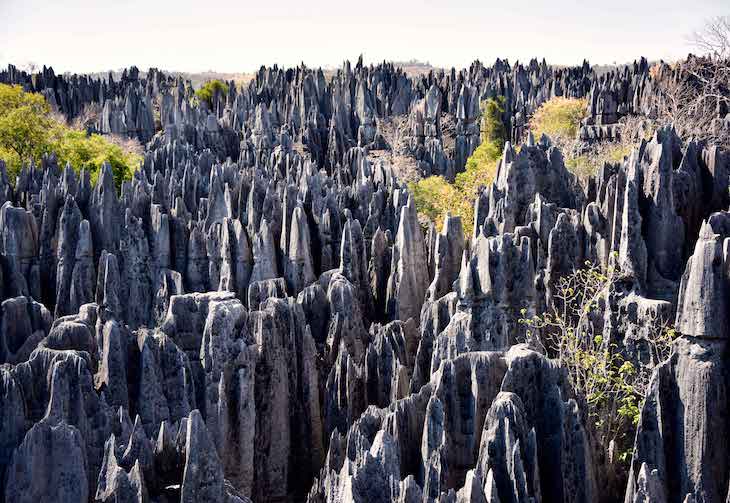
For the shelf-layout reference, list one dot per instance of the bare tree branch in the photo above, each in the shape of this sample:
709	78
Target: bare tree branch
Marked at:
694	95
714	38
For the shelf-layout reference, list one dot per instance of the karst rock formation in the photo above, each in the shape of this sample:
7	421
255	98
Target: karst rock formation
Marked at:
259	315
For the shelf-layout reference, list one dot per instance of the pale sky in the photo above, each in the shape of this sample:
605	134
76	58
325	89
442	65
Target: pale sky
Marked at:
240	36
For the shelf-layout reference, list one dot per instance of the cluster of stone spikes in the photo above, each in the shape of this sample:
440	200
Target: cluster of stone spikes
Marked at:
259	315
432	119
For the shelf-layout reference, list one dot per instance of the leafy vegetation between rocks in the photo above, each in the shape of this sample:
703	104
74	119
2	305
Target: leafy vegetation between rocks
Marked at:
607	383
91	151
435	196
25	125
29	130
210	90
559	118
588	163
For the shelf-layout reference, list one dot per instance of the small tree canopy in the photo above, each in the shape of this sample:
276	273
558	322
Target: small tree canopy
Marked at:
25	124
713	38
493	129
210	90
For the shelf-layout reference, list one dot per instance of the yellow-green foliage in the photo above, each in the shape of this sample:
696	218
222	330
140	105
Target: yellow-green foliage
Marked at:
24	126
480	169
492	125
28	130
482	164
210	90
588	164
609	387
434	196
559	118
90	152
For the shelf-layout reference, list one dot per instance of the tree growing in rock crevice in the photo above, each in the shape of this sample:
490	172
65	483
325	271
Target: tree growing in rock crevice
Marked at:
609	385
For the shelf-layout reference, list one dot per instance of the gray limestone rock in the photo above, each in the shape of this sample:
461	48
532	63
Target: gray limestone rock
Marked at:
68	240
329	351
116	484
299	271
23	324
84	275
408	278
448	254
229	363
166	389
680	443
40	469
203	476
264	254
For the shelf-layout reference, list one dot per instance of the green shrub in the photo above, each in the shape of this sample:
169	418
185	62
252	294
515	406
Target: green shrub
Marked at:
480	170
210	90
434	197
492	125
559	118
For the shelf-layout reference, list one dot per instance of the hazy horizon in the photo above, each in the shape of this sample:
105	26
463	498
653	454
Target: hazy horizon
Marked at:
83	36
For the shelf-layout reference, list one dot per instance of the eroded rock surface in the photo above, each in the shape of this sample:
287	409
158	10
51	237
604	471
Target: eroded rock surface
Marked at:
259	315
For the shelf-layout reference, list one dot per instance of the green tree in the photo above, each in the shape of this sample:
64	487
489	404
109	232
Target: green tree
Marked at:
28	130
434	197
492	125
480	168
211	90
587	164
607	384
25	125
